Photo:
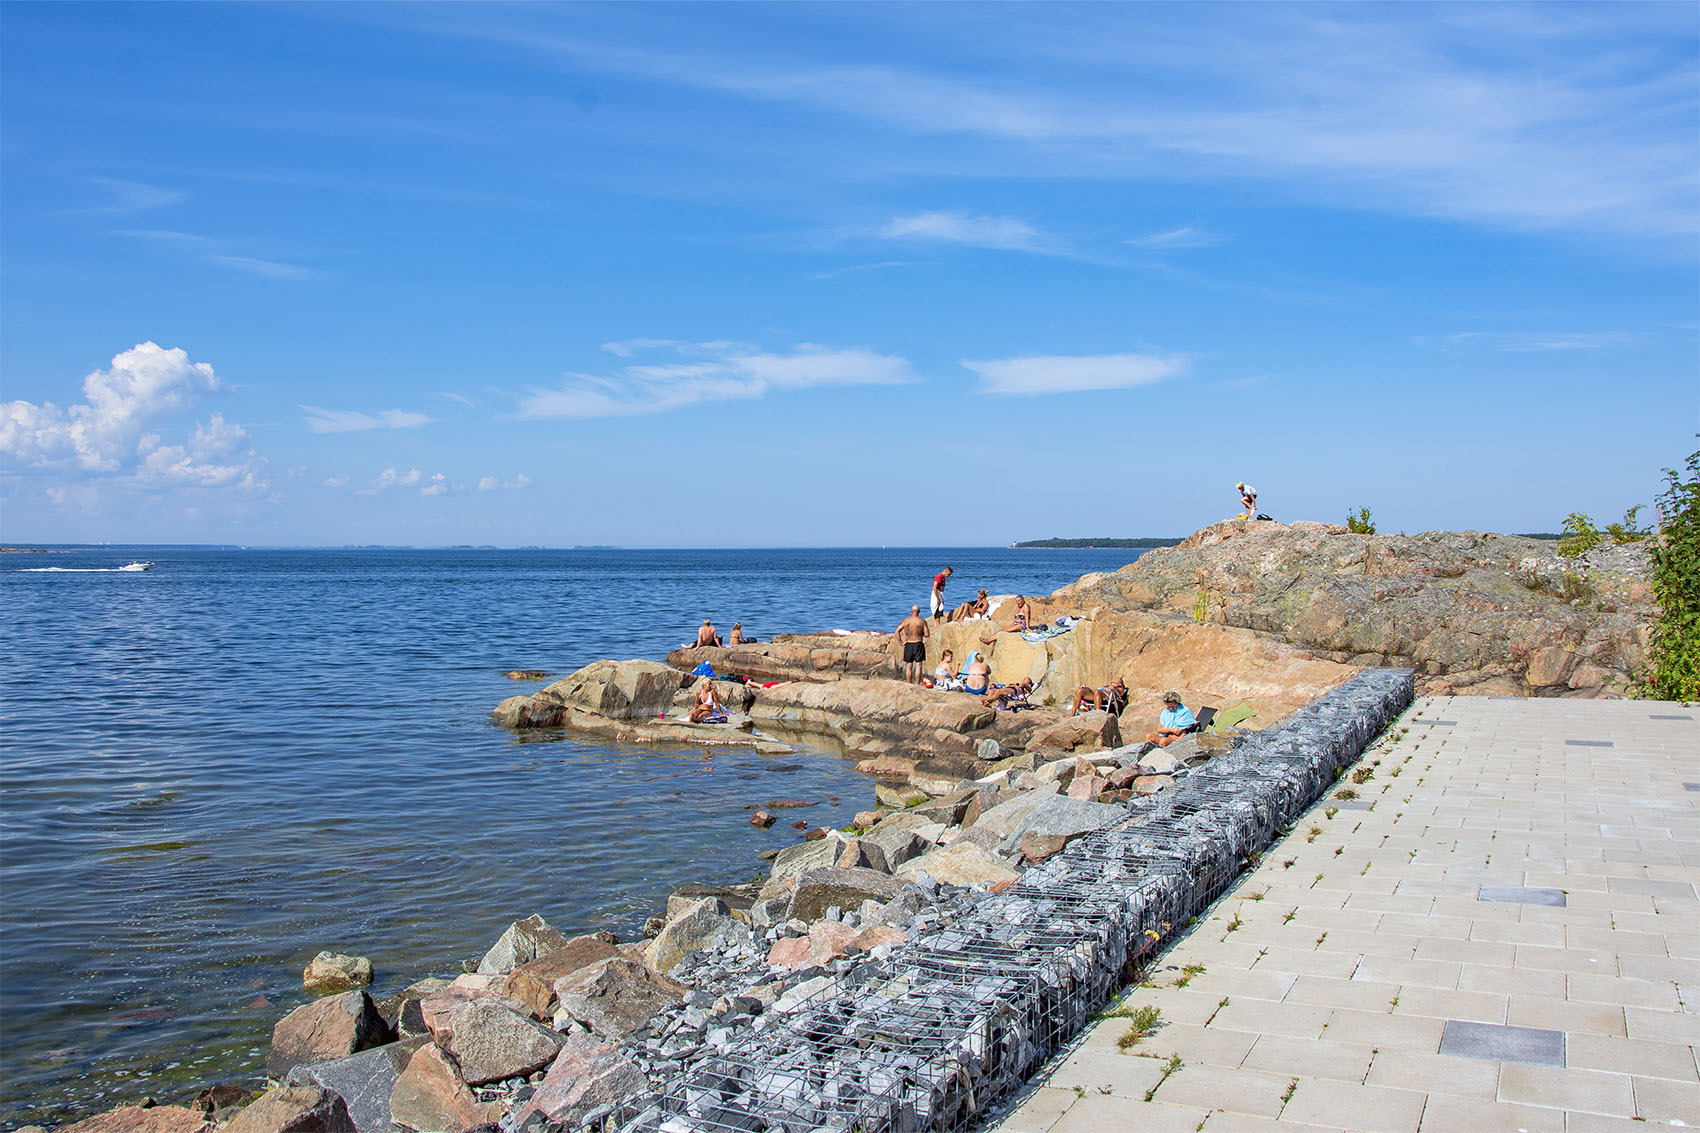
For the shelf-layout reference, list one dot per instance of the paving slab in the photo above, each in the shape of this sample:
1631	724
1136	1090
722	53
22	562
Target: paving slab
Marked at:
1506	939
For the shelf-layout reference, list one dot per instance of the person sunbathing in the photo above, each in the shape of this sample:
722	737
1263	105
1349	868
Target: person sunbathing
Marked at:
1176	721
976	608
1112	698
946	670
706	635
736	636
1010	696
707	709
1020	625
977	676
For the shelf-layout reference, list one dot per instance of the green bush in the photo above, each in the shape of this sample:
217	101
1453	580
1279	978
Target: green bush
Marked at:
1361	523
1580	536
1676	585
1625	531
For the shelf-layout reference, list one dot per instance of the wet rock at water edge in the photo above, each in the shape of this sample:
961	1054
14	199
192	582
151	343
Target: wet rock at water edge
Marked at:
294	1109
523	942
331	972
333	1027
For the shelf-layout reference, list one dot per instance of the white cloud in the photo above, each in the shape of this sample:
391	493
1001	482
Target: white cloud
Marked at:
727	371
115	432
351	421
1074	373
393	480
128	197
965	228
1184	237
1527	342
495	484
336	482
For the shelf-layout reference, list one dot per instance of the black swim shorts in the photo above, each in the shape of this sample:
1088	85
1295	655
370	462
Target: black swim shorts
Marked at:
914	651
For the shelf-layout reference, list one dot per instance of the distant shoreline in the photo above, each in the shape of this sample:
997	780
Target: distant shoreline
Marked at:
1146	543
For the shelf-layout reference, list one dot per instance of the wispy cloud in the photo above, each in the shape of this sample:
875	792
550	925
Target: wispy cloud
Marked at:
1003	232
1184	237
710	371
352	421
125	197
117	432
1075	373
219	253
496	484
1527	342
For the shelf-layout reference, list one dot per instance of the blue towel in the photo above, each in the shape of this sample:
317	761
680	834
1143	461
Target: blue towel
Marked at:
703	670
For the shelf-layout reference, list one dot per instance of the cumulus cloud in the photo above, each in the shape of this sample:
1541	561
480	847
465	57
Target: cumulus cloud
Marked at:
392	480
1074	373
116	431
352	421
496	484
965	228
714	371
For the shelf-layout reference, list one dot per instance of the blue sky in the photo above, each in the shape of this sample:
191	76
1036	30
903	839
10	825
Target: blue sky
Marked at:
751	275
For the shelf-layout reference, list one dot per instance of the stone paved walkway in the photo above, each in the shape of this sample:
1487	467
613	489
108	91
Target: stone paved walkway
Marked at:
1508	937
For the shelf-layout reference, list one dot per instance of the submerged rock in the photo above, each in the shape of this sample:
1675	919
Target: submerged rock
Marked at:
330	972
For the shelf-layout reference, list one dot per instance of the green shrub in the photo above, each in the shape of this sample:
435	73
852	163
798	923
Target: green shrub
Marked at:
1580	535
1675	654
1625	531
1361	523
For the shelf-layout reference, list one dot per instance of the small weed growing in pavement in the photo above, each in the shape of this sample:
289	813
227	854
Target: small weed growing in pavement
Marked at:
1363	775
1080	1091
1330	812
1292	1088
1338	850
1169	1067
1234	925
1188	973
1258	896
1288	864
1291	913
1345	794
1320	939
1310	836
1140	1024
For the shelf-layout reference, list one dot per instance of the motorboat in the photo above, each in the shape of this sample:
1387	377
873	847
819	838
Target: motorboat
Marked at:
139	564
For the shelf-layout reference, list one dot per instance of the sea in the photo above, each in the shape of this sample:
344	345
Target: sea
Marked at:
212	770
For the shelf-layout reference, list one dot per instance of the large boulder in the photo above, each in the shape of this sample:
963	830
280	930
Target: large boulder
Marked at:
586	1076
294	1109
492	1043
820	889
1003	818
614	997
703	923
431	1097
331	972
615	690
794	860
136	1119
533	983
800	657
961	863
1089	731
871	708
333	1027
437	1009
1061	815
363	1081
522	942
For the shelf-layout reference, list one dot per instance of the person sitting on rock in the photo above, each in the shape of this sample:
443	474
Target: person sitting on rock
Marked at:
1010	697
1112	698
945	675
736	637
1176	721
1019	625
976	608
707	709
706	635
977	676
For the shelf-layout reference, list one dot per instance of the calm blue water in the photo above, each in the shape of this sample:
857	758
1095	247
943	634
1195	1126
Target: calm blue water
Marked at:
213	770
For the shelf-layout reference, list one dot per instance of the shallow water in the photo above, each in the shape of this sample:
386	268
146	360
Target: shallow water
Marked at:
216	768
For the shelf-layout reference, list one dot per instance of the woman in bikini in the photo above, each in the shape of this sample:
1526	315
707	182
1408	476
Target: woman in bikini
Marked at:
1019	625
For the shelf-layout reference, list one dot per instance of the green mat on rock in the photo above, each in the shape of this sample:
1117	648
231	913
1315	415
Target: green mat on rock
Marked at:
1229	717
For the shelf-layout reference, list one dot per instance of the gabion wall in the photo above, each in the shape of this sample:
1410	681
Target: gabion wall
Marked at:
951	1024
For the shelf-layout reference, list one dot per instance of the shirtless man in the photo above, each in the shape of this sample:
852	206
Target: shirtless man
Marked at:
706	635
1112	698
912	635
977	677
1022	616
707	704
938	591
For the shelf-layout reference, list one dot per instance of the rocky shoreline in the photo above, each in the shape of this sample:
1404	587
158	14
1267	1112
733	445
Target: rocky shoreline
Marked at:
550	1033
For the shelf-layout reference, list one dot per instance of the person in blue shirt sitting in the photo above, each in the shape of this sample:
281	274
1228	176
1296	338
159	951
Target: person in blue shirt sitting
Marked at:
1176	721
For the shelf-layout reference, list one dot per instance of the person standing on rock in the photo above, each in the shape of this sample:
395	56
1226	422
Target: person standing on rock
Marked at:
1176	721
938	591
912	635
706	635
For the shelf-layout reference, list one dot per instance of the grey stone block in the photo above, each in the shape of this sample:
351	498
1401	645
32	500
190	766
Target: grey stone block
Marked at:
1521	895
1503	1044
